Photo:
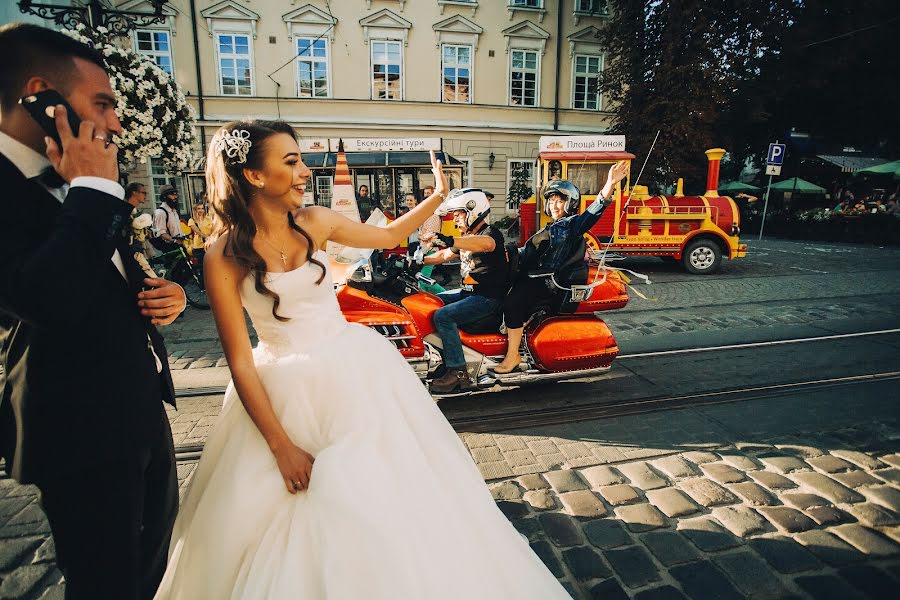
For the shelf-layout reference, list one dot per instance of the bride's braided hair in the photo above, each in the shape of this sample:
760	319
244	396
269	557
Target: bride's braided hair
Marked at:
230	195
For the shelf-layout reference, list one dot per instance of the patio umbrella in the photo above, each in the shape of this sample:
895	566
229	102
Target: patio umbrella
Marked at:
795	184
737	186
887	168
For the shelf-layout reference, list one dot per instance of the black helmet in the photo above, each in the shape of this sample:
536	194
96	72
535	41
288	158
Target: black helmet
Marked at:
566	190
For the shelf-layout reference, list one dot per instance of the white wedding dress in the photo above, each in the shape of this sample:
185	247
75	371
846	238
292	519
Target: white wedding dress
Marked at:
395	509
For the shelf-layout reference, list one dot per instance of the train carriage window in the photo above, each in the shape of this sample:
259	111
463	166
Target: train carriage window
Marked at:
588	178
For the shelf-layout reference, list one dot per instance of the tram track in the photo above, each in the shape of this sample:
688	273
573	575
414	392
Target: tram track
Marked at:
521	419
218	390
743	304
732	277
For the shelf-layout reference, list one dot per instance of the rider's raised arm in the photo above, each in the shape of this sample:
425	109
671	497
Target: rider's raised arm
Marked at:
583	222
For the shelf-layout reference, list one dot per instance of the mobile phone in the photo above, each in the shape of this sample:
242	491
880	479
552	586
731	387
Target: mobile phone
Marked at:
42	108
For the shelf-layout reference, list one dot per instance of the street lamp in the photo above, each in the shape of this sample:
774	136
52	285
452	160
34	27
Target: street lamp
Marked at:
93	14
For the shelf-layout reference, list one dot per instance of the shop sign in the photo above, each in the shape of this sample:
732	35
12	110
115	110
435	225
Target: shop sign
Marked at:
313	144
574	143
387	144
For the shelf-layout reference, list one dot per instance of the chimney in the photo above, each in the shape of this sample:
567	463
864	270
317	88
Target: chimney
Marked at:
714	156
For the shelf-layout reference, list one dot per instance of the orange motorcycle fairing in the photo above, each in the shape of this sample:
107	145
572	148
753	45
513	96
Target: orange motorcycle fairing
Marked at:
421	308
609	295
387	319
572	343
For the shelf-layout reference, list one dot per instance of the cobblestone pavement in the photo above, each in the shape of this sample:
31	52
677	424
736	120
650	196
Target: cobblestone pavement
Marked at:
762	499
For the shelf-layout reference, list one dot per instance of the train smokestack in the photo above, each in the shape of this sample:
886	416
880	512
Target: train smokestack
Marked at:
712	175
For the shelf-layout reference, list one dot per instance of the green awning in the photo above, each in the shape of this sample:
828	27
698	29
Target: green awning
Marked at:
795	184
737	186
887	168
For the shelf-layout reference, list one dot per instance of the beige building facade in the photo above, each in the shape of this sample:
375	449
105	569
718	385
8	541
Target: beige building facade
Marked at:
485	77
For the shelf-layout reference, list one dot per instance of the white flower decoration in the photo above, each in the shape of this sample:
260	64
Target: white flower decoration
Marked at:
157	121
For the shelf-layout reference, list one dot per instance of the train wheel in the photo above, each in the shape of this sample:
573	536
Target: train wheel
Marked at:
702	257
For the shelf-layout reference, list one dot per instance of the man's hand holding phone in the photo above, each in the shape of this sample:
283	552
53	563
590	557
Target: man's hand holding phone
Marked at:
85	153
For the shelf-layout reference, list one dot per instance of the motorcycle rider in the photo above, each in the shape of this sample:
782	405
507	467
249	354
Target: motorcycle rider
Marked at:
483	269
548	250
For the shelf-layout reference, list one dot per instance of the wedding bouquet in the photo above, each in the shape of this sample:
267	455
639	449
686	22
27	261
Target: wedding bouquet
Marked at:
156	119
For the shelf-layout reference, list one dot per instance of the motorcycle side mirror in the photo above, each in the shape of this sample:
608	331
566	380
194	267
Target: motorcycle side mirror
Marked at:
360	271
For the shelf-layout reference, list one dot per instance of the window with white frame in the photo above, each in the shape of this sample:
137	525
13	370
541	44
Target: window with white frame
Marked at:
513	165
586	82
523	78
457	69
235	64
527	3
156	45
592	7
387	70
324	189
312	68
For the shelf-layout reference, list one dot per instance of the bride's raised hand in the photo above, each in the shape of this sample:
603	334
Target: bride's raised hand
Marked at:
441	184
296	466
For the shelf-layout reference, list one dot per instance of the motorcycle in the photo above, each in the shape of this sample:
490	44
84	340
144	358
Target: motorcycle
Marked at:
562	340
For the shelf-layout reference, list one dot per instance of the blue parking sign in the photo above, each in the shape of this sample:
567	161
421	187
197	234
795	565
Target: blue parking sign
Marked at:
776	154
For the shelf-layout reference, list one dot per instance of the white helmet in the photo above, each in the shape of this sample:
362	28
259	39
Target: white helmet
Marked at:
471	200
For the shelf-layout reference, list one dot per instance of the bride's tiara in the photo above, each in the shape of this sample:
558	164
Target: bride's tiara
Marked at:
233	145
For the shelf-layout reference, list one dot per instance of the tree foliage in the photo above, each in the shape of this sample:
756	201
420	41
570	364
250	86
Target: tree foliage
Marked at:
156	119
738	75
837	77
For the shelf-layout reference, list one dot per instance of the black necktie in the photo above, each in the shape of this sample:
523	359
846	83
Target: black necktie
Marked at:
49	178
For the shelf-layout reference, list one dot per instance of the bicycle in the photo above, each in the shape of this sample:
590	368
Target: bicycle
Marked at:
184	269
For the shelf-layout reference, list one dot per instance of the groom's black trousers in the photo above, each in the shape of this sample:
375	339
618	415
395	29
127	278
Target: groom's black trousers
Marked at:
112	522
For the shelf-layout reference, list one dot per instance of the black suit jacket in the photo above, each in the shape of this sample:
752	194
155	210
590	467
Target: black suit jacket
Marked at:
80	385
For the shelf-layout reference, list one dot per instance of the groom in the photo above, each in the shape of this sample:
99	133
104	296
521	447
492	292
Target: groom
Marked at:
85	371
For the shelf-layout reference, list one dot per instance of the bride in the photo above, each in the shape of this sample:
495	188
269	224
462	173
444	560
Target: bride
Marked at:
330	472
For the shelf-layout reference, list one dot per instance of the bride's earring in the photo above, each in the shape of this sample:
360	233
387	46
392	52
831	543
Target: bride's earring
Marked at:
261	184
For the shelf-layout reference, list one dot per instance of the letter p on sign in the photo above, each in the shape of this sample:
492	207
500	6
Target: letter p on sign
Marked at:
776	154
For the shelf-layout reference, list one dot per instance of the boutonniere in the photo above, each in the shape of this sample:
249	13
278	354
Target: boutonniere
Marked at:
140	225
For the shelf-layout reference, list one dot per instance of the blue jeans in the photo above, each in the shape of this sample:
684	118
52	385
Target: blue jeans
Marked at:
459	308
